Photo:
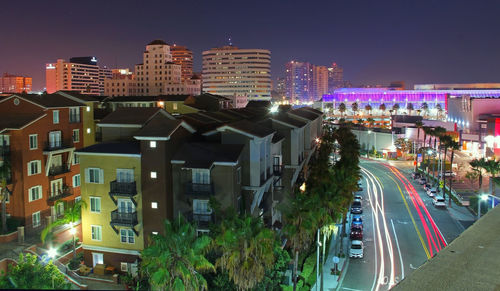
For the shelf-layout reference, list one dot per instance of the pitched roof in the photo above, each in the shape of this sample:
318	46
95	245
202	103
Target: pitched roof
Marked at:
47	100
312	110
255	103
250	128
288	120
132	115
78	95
203	155
160	126
277	137
16	121
128	147
304	114
147	98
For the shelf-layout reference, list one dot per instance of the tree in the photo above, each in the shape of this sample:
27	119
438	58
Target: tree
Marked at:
404	145
424	107
492	167
355	107
409	107
368	108
31	273
439	110
453	146
247	250
174	261
382	108
472	177
371	121
342	108
478	166
444	141
395	107
4	191
360	121
72	214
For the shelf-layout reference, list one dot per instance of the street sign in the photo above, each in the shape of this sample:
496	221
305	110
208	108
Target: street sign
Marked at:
419	158
441	184
336	260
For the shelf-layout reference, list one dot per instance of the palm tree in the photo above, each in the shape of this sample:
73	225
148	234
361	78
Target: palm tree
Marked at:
72	214
453	146
174	261
368	108
395	107
360	121
382	108
247	249
478	165
424	107
355	107
492	167
418	125
439	110
409	107
342	108
371	121
444	141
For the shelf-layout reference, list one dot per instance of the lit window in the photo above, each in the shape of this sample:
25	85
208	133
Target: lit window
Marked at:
96	232
153	175
152	144
88	130
154	205
55	116
88	108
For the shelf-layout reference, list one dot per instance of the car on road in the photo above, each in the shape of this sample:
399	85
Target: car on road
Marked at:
415	175
431	192
356	233
439	201
356	250
357	221
358	197
356	207
427	186
447	174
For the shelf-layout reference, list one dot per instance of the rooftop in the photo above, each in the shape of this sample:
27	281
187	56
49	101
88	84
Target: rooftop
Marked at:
203	155
113	148
157	42
159	126
47	100
250	128
16	121
132	115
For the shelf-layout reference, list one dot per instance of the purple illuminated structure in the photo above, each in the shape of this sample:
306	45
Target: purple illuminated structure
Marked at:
376	96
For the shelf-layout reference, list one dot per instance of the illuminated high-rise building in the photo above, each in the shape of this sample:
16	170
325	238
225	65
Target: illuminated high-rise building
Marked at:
335	77
299	81
80	74
182	56
320	82
15	84
229	71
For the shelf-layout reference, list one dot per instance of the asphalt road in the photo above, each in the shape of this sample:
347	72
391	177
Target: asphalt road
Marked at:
402	229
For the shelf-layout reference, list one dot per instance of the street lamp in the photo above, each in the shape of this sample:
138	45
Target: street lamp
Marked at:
52	253
483	197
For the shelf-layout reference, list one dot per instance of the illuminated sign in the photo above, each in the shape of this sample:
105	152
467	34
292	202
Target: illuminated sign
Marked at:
94	60
50	66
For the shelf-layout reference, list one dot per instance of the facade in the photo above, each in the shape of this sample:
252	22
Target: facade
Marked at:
183	57
229	71
15	84
299	82
457	86
104	73
121	83
320	82
80	74
335	77
39	135
159	75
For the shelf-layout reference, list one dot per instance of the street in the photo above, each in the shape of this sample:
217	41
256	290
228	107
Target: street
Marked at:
402	229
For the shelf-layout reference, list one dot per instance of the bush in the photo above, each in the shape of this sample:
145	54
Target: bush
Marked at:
74	263
12	223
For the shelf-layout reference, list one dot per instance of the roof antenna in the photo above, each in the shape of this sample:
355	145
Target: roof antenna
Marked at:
230	42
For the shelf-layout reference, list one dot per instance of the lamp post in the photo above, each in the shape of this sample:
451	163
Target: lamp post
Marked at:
483	197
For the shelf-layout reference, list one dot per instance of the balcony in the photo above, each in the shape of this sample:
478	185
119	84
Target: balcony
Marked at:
58	170
278	170
74	118
58	145
196	189
127	219
202	221
128	189
59	194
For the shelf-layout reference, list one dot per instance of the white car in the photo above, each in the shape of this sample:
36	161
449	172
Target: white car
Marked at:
431	192
356	250
358	197
439	201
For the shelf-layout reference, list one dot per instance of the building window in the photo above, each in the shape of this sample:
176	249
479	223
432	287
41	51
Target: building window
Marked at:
33	141
201	207
154	205
76	159
88	108
55	116
76	180
127	236
96	232
152	144
175	106
153	175
94	175
74	115
34	167
76	135
201	176
123	267
88	130
36	219
35	193
95	204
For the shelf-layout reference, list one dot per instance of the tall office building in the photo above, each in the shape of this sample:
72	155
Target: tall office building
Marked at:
159	75
320	82
104	73
335	77
182	56
15	84
80	74
299	81
121	83
229	71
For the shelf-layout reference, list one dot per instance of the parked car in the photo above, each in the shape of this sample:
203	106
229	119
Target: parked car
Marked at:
422	181
447	174
431	192
427	186
356	250
439	201
358	197
415	175
356	207
356	233
357	221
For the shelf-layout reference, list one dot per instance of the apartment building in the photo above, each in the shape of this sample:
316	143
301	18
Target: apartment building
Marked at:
80	74
39	134
183	57
15	84
121	83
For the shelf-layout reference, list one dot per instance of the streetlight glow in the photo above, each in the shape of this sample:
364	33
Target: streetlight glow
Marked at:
72	231
484	197
52	252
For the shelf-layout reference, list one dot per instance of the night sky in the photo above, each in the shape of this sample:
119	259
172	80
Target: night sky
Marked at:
375	41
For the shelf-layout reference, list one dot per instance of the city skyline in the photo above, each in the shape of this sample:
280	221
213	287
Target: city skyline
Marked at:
376	43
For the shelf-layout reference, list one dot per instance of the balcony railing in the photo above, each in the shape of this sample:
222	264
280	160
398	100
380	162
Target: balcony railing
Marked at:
58	194
74	118
199	189
277	170
124	218
202	220
128	189
57	170
59	145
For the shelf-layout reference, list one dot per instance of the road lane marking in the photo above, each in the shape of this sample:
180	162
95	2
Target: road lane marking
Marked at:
412	219
399	251
350	289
